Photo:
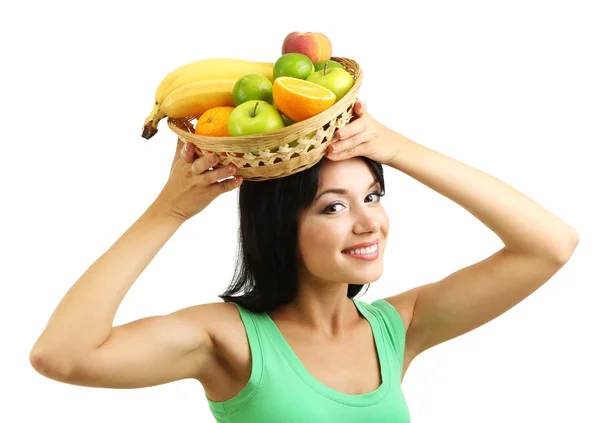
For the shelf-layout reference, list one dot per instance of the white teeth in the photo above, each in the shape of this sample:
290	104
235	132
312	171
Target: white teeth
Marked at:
362	251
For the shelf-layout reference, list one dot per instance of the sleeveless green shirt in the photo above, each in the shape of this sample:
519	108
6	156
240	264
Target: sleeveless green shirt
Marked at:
281	389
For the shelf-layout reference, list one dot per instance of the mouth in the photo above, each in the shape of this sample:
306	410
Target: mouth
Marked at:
364	253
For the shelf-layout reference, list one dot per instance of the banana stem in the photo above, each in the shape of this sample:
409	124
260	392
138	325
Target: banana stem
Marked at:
149	129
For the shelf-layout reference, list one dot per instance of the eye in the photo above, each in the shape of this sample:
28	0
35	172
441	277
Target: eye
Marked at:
378	195
328	209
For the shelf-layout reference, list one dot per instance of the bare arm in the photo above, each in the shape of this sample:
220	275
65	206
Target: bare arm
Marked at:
537	245
82	321
80	345
146	352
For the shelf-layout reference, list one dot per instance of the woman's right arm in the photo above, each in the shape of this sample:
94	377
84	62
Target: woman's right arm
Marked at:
79	345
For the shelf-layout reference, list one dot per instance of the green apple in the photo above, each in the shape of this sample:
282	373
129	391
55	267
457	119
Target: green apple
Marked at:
254	117
330	65
252	87
337	80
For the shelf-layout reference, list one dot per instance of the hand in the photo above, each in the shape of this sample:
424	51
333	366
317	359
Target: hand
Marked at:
366	137
192	185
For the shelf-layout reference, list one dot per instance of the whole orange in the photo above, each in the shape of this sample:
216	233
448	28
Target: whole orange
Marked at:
214	122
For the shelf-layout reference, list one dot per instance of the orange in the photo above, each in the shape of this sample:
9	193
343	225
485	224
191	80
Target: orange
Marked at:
214	122
299	99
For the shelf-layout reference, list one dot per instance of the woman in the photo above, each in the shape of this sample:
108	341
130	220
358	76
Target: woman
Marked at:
291	343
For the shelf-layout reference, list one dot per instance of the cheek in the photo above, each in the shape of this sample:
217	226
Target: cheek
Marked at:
319	242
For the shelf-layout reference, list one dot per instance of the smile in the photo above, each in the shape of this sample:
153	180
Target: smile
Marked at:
368	253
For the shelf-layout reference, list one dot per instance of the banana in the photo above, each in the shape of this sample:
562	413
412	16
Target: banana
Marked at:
194	98
201	70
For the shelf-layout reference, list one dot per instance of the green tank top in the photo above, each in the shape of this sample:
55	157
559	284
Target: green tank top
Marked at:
281	389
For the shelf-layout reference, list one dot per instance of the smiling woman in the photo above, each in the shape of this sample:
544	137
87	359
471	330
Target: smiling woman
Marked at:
291	342
309	243
293	231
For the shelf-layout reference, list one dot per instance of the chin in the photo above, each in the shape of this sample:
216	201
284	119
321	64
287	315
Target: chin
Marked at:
363	278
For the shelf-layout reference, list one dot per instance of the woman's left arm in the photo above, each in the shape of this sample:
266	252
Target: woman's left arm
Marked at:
537	243
524	226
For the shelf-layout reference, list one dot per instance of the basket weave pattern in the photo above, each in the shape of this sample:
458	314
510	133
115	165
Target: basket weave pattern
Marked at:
266	156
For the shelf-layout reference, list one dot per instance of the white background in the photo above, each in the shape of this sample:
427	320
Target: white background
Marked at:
509	87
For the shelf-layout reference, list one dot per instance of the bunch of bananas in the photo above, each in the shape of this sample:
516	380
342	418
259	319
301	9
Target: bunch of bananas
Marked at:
193	88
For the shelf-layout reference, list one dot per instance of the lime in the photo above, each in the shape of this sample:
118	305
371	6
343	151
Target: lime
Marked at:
330	64
294	65
252	87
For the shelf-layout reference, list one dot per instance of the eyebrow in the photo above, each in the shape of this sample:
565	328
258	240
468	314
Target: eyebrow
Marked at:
342	191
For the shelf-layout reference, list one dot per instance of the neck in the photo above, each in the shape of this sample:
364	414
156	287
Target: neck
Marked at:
323	307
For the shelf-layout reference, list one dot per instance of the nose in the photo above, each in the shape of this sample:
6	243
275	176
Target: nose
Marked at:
367	221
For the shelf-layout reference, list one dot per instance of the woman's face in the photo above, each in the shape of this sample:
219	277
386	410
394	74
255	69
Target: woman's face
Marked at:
337	221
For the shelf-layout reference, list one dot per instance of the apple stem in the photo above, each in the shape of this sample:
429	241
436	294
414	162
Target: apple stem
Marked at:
325	69
254	113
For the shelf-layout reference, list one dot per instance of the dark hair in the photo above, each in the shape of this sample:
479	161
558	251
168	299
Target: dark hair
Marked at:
266	274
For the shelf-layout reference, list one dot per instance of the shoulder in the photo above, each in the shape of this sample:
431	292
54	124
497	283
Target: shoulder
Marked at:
223	323
404	304
230	358
214	318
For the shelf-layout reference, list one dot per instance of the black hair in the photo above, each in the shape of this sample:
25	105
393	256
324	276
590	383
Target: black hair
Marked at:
266	273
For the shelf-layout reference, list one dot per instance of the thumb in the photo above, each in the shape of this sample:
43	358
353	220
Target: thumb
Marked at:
360	108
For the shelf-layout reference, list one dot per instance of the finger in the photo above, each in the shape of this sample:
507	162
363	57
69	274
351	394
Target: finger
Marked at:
348	148
188	153
360	108
347	143
202	164
350	130
217	174
225	185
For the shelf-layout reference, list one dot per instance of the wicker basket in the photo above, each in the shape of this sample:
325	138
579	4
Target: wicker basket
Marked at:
275	154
